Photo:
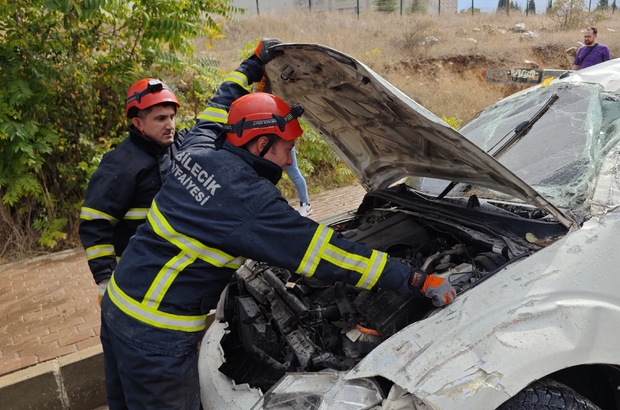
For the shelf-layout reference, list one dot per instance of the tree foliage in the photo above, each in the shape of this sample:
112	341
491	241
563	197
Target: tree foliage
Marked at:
418	6
531	6
602	5
386	6
570	14
65	66
501	5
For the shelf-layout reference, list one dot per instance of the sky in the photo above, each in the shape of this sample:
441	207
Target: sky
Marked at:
491	5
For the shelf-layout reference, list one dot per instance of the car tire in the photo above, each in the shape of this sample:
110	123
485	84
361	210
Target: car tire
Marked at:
547	394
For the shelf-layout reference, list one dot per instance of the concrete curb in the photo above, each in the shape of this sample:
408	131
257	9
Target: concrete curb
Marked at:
72	382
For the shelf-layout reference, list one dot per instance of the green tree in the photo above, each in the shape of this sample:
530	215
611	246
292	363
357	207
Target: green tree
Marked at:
531	6
418	6
603	5
613	6
386	6
65	66
570	14
501	5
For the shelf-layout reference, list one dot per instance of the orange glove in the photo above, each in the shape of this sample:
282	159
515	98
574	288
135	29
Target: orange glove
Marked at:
263	52
438	289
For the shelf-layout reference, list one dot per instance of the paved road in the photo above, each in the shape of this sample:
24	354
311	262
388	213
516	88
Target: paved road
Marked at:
48	305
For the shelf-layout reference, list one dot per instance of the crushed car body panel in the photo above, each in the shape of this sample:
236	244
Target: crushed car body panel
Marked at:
380	133
548	312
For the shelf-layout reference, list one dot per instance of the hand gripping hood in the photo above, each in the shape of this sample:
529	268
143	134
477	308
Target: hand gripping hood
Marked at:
379	132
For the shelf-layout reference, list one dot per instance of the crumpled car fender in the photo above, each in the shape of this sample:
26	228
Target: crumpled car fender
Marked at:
553	310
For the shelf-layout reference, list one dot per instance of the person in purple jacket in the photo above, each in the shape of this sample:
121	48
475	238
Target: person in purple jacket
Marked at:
592	52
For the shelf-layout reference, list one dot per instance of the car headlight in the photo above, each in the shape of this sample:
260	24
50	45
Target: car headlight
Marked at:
320	391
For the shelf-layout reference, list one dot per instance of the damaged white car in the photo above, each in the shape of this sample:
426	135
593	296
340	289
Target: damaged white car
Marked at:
519	210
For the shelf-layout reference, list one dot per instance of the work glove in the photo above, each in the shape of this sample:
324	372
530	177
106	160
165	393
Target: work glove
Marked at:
263	52
433	287
103	285
438	289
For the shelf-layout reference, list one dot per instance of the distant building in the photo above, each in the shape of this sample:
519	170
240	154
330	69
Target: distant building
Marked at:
342	6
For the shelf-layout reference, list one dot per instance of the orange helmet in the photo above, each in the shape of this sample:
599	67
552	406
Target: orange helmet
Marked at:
262	114
147	93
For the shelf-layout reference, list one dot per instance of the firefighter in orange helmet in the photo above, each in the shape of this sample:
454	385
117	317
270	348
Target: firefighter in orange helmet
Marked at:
219	206
122	188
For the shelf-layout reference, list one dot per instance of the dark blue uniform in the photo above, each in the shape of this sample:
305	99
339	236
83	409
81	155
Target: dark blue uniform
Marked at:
119	196
218	206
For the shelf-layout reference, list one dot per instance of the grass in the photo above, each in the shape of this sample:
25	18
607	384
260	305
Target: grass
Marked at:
447	77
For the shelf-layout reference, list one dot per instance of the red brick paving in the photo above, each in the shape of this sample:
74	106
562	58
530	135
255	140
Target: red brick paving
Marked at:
48	305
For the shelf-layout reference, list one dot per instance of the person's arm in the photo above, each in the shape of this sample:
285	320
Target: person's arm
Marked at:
577	62
606	54
278	235
237	84
108	198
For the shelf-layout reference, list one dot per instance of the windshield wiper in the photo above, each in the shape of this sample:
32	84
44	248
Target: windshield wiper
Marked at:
521	129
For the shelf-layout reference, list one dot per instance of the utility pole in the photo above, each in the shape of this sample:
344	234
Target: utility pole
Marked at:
472	7
508	7
401	7
439	8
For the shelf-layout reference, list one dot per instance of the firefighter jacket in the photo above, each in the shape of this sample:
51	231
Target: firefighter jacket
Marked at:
118	197
218	207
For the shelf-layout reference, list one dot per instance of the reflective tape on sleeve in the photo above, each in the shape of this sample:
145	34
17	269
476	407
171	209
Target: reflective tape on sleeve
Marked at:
136	213
239	78
89	214
370	269
313	255
214	114
99	251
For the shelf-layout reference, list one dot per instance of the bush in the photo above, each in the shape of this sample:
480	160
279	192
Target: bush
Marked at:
65	66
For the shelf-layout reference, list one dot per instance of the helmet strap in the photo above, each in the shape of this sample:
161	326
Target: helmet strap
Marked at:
272	140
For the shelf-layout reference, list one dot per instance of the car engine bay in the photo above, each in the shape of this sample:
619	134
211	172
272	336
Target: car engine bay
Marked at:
282	322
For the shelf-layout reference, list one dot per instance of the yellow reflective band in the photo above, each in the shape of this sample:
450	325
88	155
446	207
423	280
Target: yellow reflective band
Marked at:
345	260
99	251
165	277
190	245
215	115
239	78
152	316
319	249
90	213
136	213
315	250
373	271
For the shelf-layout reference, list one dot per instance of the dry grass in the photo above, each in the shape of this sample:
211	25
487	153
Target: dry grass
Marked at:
448	77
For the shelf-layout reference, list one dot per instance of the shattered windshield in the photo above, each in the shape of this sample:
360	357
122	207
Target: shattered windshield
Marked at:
561	154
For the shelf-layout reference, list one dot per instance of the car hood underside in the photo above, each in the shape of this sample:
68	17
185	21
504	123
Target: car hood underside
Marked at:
379	132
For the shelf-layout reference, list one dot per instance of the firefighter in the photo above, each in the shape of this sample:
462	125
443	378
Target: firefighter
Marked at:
122	188
219	206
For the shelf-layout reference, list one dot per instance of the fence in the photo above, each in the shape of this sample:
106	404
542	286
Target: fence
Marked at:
342	6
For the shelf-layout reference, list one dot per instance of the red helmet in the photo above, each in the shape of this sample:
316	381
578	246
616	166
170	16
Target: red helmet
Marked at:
262	114
147	93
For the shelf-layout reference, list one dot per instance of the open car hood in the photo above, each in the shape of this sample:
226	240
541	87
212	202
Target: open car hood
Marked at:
379	132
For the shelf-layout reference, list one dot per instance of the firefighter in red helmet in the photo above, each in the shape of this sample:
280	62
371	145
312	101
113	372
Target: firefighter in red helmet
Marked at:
122	188
219	207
